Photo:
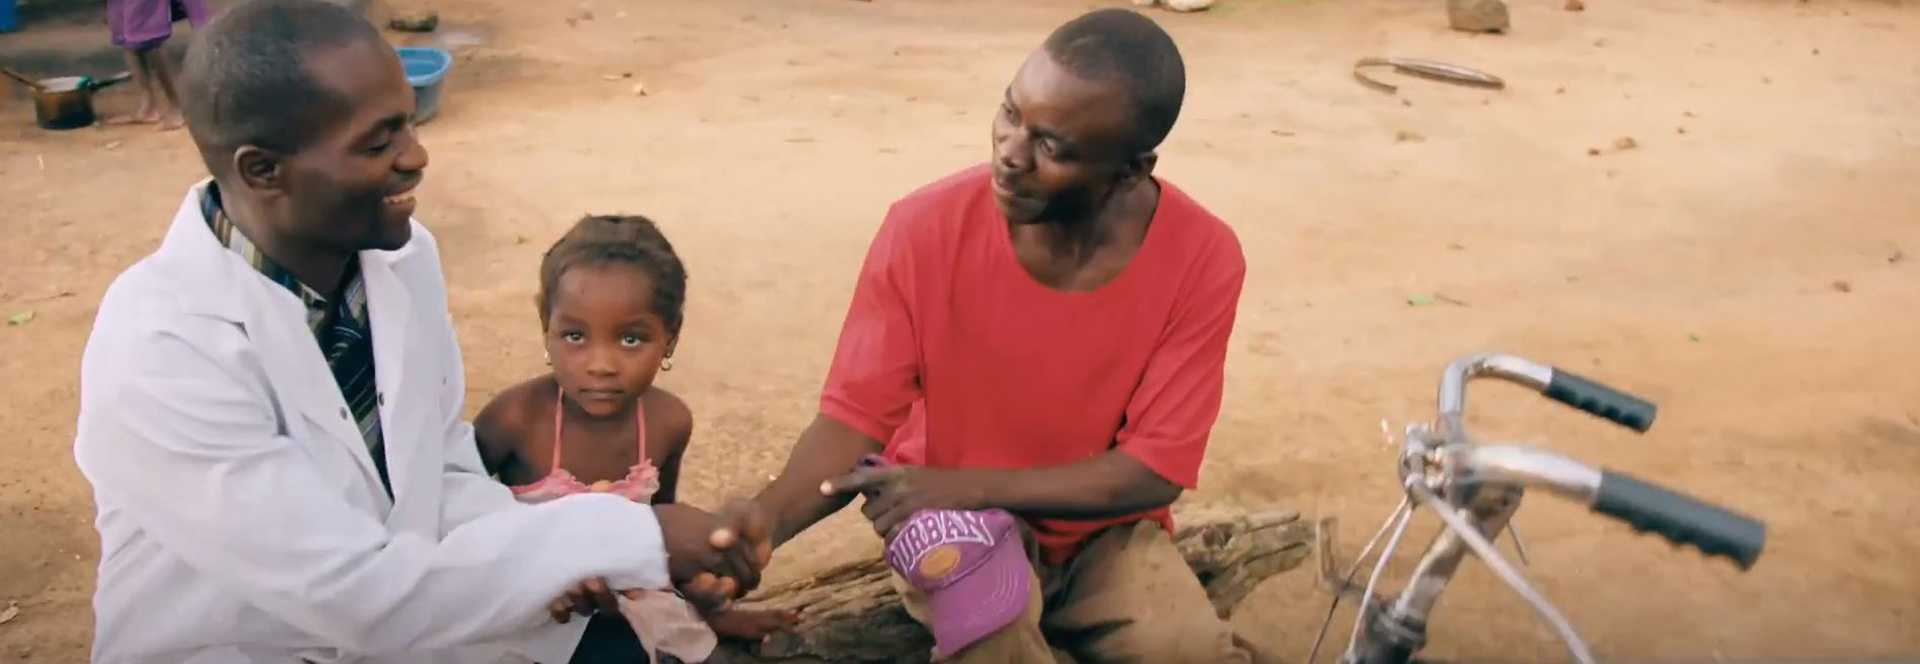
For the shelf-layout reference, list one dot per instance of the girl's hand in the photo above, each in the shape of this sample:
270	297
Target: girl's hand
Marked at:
584	599
752	625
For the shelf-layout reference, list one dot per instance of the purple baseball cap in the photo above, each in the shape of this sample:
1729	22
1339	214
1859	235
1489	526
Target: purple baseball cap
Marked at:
972	567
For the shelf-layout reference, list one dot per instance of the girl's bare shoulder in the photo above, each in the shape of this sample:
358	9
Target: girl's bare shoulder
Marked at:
508	418
672	414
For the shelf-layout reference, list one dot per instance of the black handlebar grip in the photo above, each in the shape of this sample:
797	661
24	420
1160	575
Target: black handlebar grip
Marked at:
1624	409
1680	519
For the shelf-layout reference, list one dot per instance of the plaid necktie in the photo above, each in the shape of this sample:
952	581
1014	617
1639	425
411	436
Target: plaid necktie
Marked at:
340	327
347	342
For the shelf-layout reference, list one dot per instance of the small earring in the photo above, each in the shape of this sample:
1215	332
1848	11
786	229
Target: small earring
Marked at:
666	363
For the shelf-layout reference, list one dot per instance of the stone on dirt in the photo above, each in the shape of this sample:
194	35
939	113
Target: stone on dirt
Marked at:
1478	15
1182	6
414	20
1187	5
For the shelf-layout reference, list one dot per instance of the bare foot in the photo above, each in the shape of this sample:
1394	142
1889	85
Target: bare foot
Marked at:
751	625
146	115
173	121
1254	653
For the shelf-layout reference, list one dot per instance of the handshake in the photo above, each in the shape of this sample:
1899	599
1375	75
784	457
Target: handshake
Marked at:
712	559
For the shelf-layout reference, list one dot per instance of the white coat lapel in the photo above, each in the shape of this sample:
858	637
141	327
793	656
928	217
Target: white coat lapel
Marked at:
391	311
295	367
275	323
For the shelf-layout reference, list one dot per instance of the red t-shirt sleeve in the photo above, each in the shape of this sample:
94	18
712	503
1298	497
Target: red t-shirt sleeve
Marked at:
875	376
1174	409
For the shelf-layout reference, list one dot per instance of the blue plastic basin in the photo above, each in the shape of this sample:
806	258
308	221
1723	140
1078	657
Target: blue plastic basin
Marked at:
427	72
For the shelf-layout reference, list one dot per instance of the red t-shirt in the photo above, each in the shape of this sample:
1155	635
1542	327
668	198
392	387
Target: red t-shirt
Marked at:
957	358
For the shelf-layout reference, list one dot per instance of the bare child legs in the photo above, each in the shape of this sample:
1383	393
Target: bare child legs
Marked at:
148	113
160	72
159	97
142	27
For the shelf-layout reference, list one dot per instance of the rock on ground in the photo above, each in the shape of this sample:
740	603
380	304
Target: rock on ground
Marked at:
414	20
1478	15
1177	5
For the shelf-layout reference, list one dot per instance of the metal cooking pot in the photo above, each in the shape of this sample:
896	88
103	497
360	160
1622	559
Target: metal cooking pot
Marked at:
66	102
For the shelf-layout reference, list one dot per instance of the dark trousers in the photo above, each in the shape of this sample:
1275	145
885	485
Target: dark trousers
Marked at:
609	640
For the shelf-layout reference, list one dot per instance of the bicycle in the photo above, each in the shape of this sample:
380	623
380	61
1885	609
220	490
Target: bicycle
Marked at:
1476	489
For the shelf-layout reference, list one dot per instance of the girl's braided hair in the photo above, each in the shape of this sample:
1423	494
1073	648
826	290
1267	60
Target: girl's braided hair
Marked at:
633	240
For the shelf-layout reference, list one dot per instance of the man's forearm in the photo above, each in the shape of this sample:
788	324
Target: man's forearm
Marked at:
826	450
1111	485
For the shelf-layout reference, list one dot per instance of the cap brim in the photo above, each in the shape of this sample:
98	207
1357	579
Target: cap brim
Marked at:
991	596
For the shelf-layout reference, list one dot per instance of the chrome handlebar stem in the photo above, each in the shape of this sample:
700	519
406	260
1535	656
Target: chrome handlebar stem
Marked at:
1453	385
1476	490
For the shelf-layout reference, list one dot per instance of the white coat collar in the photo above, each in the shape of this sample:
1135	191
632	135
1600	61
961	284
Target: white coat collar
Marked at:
214	281
191	251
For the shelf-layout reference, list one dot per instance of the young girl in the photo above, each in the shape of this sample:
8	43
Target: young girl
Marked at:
611	292
142	27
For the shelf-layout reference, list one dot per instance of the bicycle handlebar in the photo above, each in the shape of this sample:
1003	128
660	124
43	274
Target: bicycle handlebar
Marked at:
1441	468
1683	520
1623	409
1558	384
1647	507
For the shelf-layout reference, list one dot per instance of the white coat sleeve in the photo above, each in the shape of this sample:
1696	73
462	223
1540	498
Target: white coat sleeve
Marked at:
467	492
189	447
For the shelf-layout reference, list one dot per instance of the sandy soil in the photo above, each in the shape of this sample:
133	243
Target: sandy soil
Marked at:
1743	266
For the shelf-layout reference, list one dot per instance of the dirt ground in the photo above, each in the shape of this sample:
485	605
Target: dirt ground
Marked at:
1743	266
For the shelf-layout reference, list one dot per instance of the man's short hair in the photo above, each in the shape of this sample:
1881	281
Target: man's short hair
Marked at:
1117	44
244	81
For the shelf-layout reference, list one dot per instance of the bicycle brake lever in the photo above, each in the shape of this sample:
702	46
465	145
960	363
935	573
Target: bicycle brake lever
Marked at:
1325	549
1490	556
1519	545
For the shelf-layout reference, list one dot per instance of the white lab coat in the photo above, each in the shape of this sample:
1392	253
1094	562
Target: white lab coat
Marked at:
240	516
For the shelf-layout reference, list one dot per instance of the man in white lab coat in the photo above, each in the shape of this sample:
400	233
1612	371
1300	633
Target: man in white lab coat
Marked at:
270	404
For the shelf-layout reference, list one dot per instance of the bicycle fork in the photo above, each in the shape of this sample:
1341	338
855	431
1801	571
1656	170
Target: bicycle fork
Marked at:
1393	629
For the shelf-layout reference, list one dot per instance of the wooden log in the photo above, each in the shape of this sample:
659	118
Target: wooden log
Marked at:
850	614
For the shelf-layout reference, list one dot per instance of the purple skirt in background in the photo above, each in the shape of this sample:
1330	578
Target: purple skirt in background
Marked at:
141	25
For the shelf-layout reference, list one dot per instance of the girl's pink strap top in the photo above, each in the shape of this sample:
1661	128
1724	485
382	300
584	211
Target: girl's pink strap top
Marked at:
641	482
664	622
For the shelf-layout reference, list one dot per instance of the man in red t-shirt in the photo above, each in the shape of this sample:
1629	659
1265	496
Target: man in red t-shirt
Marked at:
1046	335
